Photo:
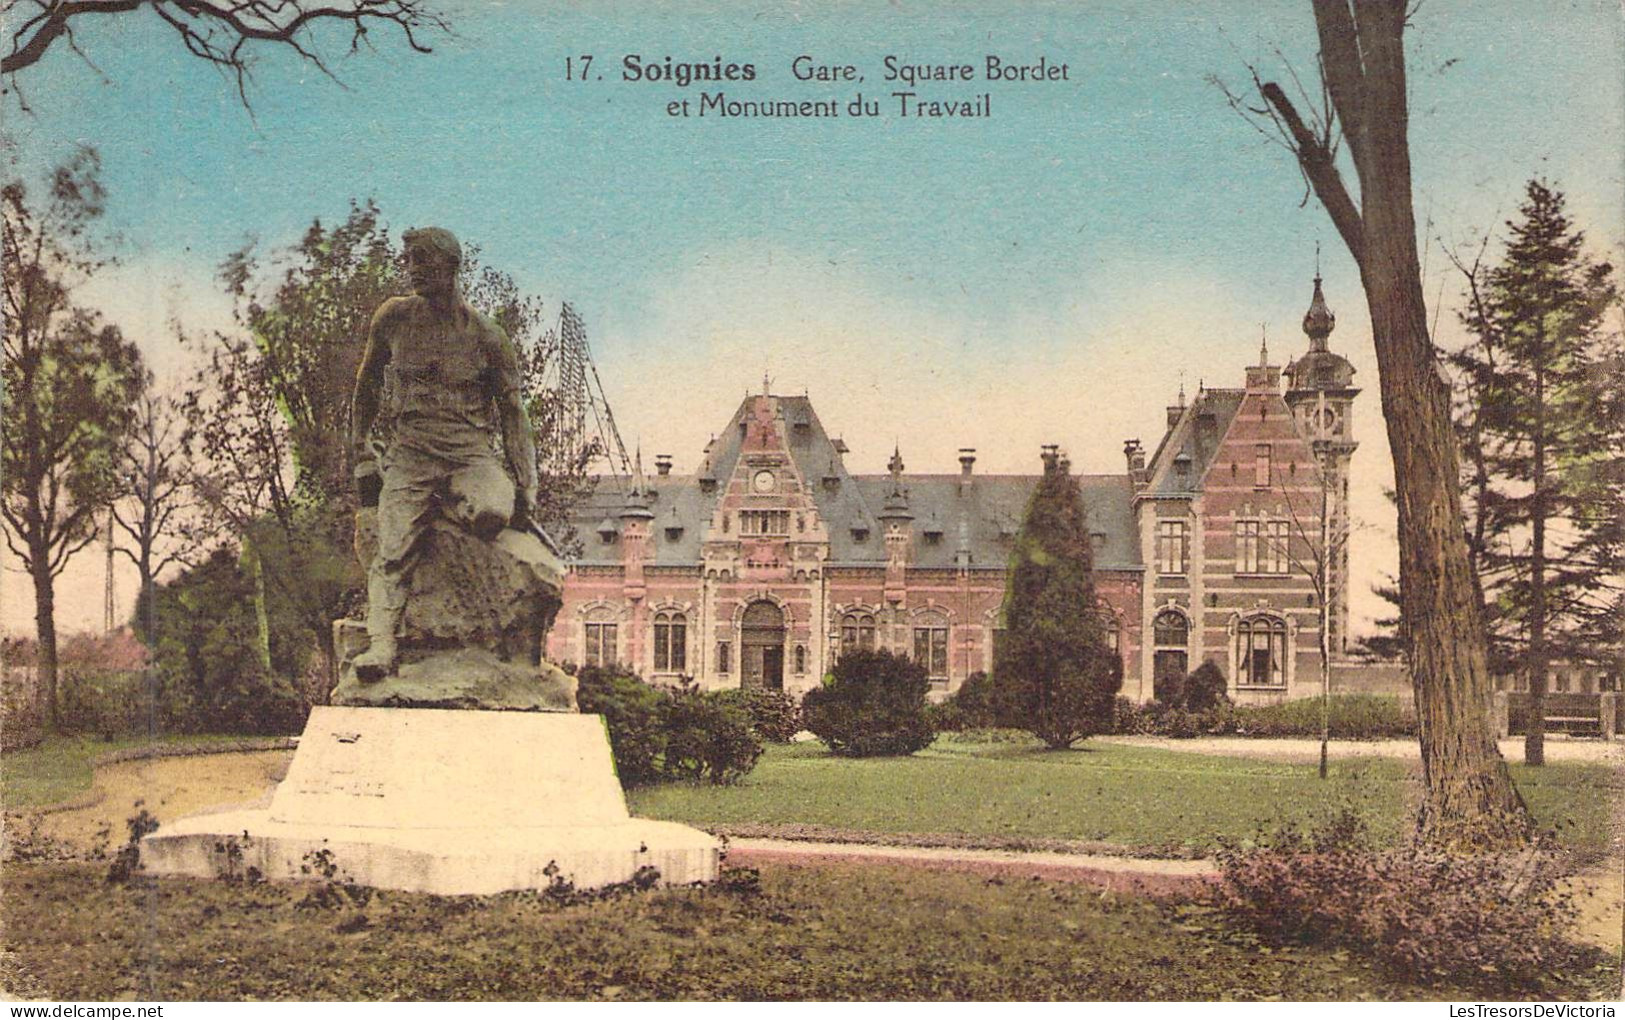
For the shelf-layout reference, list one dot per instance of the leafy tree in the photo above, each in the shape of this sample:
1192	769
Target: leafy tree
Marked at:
152	471
209	674
1469	798
225	33
1546	464
1054	676
872	703
69	381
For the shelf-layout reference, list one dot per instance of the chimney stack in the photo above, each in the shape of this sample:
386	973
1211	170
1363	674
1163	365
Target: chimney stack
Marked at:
1134	453
967	461
662	464
1051	455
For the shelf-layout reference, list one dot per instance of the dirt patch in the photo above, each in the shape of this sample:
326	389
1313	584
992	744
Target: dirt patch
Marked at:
1600	895
168	788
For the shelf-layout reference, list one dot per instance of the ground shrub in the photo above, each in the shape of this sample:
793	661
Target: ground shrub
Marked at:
774	715
1352	717
1205	688
968	708
659	733
1154	718
873	703
1418	912
709	735
632	712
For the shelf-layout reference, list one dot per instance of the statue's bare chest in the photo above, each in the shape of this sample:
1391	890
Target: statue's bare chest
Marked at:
424	349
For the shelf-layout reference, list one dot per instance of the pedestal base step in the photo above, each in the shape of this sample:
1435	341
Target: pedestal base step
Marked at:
447	862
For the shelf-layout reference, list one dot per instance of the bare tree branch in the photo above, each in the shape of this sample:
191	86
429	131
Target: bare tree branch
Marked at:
219	32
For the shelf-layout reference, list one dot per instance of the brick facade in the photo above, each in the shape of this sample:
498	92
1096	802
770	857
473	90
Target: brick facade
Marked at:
763	565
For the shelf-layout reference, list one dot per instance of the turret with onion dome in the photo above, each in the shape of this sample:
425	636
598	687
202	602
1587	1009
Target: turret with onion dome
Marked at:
1320	368
1320	390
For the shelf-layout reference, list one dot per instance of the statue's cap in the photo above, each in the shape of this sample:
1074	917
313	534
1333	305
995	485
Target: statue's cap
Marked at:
436	239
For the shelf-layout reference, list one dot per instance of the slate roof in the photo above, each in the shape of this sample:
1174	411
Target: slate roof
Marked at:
1189	440
981	516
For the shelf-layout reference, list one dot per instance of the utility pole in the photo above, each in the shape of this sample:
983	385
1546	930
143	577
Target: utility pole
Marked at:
1322	446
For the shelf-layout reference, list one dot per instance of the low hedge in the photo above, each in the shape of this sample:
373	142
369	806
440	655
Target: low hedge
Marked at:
1351	717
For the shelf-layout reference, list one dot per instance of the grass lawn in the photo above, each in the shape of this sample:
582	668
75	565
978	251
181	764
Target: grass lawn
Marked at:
1136	796
61	768
828	932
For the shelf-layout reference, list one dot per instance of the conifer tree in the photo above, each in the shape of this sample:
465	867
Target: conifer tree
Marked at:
1545	473
1053	674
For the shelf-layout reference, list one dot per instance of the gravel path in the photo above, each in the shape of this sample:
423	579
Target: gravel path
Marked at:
1122	874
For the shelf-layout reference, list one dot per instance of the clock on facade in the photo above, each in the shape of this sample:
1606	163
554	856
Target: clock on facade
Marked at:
763	482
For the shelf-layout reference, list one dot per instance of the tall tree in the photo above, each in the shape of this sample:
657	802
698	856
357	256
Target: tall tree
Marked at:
1469	798
225	33
1545	478
151	503
1054	675
70	382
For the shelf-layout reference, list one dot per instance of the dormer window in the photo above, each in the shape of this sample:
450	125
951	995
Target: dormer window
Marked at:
674	533
860	534
606	531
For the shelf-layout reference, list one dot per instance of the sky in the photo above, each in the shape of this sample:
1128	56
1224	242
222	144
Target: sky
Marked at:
1051	273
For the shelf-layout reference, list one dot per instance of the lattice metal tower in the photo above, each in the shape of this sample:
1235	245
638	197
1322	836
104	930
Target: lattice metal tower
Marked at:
573	422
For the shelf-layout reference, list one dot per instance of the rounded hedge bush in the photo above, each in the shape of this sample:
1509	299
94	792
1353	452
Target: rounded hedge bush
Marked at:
873	703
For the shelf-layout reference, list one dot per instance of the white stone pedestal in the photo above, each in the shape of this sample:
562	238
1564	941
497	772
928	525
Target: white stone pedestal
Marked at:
447	802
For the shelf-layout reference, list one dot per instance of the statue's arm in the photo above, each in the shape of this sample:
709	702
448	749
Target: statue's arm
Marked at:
517	438
368	386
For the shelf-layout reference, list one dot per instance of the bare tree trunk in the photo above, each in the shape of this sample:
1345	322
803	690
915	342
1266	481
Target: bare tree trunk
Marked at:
45	632
1469	798
1534	739
262	612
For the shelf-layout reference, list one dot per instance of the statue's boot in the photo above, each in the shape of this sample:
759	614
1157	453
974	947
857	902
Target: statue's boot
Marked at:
384	604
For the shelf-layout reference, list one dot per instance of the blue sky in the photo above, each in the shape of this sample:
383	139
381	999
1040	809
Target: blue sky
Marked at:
1050	273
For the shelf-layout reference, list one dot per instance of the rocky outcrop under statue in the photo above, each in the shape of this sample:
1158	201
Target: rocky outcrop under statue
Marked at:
472	630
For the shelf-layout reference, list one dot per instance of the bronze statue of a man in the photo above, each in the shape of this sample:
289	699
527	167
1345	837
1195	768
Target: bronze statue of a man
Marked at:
454	380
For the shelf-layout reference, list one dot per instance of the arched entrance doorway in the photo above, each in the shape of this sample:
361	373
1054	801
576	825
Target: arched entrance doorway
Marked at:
762	642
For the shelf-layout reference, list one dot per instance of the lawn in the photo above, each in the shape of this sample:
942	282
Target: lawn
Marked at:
1147	798
828	932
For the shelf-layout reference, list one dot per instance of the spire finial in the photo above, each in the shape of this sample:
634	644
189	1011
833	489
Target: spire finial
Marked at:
1182	387
767	382
1263	344
1317	260
1318	321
